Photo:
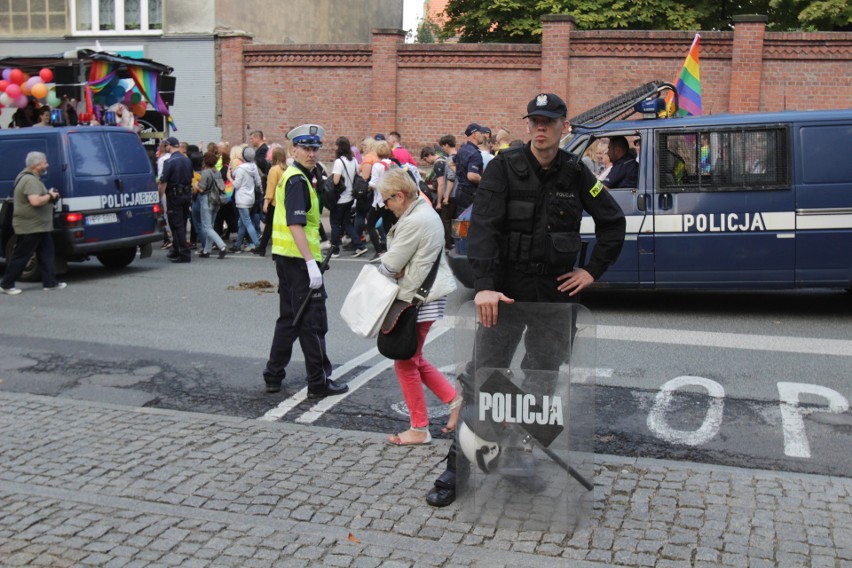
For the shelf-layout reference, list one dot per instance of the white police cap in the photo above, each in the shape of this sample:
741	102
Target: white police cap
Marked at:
309	135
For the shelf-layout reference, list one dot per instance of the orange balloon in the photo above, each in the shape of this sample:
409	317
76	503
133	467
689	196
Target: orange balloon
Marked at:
139	109
25	89
39	90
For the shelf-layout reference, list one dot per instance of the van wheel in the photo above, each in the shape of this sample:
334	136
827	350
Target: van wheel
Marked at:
32	272
117	258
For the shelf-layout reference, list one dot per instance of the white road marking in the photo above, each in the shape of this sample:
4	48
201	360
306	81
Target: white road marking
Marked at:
792	414
712	421
778	343
327	403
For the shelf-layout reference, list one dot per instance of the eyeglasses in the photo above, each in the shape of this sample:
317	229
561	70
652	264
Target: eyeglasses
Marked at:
386	199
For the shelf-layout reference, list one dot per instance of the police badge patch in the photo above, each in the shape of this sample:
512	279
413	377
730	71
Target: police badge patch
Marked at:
596	189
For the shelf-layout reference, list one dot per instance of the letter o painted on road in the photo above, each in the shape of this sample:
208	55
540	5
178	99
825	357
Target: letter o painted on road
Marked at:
712	421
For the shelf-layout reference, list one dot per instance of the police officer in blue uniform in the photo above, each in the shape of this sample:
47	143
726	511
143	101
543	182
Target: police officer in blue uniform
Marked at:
176	184
296	252
524	241
469	166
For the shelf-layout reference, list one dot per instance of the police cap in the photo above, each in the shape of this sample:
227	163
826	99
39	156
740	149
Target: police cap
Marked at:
308	135
547	104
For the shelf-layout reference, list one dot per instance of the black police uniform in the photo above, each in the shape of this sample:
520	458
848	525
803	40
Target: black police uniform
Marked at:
623	173
524	232
292	290
468	160
177	175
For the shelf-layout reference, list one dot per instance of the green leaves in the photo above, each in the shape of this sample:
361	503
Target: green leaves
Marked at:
519	21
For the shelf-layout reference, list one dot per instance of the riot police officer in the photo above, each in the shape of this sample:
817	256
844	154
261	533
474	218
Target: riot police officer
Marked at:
176	184
524	241
296	252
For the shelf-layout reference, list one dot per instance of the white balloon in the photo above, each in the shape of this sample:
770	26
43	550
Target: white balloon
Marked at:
6	99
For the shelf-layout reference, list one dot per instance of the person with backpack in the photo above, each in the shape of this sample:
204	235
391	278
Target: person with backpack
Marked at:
345	168
377	211
211	192
246	179
445	177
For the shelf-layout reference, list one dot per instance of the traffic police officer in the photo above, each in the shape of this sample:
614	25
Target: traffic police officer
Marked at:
176	184
296	252
524	241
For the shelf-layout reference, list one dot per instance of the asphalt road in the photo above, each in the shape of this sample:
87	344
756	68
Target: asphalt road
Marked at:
755	379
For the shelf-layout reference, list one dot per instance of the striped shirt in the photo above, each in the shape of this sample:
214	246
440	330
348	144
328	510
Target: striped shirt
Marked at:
430	311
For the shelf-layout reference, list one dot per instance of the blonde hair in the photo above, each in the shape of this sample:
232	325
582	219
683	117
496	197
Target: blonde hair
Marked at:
237	152
383	149
397	180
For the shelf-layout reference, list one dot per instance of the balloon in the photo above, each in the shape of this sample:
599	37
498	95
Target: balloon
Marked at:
25	89
136	98
118	92
46	75
16	76
53	100
22	101
139	109
14	90
6	100
6	72
39	90
32	81
3	84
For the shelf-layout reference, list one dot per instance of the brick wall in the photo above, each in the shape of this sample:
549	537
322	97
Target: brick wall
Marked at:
425	91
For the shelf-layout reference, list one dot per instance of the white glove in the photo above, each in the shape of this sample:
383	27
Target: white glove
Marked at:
314	274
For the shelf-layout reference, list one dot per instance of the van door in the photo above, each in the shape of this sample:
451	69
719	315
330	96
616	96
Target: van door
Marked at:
135	189
724	207
823	203
625	270
93	177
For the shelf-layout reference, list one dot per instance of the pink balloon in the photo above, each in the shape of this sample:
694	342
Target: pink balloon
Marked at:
22	101
14	90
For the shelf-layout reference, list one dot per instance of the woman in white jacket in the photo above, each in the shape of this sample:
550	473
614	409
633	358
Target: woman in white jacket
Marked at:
414	243
246	177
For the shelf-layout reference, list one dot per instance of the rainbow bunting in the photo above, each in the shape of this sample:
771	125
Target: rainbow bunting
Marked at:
146	82
688	84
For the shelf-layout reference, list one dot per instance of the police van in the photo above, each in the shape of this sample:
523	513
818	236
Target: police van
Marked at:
730	200
109	206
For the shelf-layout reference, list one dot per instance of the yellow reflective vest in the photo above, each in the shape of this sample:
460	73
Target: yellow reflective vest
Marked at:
282	239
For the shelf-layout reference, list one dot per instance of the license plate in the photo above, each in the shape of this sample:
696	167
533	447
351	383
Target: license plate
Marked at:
101	219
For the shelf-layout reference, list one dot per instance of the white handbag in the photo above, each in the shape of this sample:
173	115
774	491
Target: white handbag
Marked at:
368	301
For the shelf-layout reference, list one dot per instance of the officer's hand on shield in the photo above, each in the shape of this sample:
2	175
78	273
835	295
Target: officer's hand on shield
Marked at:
486	305
314	274
574	281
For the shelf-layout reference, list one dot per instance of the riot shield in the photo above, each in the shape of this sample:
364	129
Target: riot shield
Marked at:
525	442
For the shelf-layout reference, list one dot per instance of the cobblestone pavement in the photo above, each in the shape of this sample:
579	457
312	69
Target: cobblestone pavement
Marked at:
92	484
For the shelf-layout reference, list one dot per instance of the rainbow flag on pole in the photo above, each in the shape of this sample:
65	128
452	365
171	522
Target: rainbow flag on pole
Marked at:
688	84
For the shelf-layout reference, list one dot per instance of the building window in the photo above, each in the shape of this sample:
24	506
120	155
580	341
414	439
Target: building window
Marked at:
117	16
45	17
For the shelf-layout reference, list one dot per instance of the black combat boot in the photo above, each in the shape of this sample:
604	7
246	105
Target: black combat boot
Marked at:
444	491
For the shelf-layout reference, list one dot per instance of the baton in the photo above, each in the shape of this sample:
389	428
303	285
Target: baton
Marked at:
323	267
571	471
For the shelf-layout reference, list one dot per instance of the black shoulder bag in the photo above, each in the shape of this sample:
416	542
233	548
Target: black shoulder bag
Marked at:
398	336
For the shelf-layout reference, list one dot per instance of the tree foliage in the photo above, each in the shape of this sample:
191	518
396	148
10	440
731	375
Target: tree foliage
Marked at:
519	21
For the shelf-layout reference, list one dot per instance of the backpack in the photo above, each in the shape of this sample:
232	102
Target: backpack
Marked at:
215	189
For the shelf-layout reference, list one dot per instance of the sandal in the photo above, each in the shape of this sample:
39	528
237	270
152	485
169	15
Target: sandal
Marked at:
397	440
455	410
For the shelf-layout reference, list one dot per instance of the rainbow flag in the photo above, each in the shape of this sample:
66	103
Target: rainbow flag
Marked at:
688	84
146	82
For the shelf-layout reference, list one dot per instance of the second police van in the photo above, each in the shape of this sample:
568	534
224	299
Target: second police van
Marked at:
725	201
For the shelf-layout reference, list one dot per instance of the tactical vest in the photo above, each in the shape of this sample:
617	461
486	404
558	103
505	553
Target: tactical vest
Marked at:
282	239
542	216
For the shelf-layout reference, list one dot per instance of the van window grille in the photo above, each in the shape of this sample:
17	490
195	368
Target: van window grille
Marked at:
723	160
